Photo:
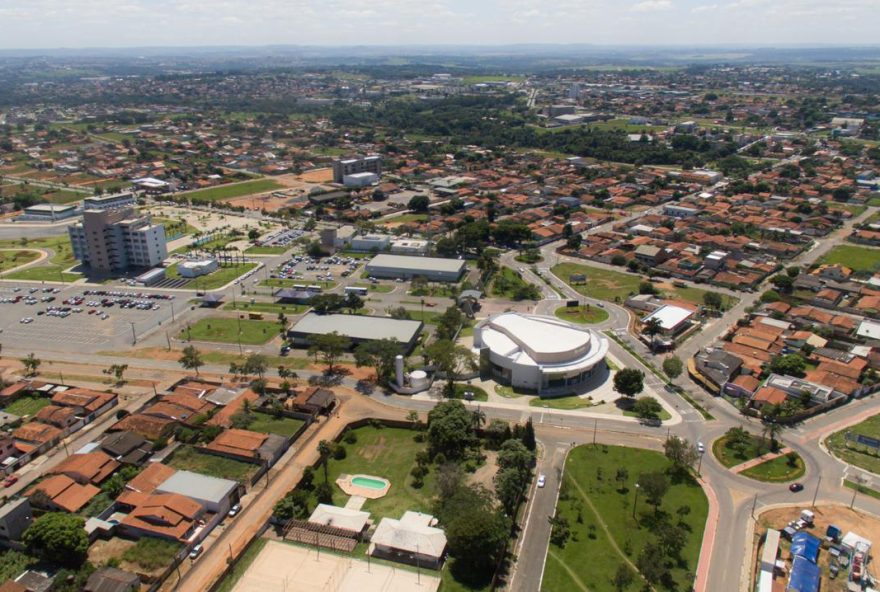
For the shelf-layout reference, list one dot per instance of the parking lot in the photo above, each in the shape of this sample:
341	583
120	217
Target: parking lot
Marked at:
280	238
78	319
308	269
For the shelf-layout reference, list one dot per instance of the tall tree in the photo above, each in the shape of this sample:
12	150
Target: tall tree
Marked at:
191	358
59	537
652	328
450	429
452	360
31	363
672	367
379	354
654	485
629	381
331	347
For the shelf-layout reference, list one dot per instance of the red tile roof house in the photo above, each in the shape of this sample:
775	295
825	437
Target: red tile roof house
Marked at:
94	403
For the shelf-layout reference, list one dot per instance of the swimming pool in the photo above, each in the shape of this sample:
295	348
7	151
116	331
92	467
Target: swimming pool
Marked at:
369	482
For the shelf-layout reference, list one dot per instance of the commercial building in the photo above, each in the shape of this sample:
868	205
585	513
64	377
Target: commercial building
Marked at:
357	328
360	179
114	240
214	494
401	266
539	353
672	319
15	517
191	269
109	202
49	212
344	167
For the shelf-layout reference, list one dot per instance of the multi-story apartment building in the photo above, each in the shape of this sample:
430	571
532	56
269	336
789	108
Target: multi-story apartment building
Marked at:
109	202
114	240
350	166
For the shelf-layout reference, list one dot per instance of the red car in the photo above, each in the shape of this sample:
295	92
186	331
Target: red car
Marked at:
10	481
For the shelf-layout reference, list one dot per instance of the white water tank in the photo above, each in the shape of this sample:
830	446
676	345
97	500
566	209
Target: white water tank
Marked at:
398	370
418	379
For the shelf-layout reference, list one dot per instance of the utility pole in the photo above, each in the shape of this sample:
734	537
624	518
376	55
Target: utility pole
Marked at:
134	338
172	316
595	427
816	494
636	500
754	503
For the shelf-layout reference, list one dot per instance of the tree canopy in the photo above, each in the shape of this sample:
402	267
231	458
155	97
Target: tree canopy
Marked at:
59	537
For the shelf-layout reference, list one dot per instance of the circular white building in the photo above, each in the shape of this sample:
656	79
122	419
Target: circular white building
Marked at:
538	353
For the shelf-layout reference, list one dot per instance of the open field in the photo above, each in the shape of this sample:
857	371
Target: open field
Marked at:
187	458
233	190
858	258
777	470
266	307
216	279
606	532
853	453
583	315
616	286
255	250
226	330
571	402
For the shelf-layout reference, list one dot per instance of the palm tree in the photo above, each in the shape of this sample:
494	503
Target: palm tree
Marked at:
651	328
324	449
478	417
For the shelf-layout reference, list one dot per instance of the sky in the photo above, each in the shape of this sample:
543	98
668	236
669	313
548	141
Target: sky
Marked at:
31	24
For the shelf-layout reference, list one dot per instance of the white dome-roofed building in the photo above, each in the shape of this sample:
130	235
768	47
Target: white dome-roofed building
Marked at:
537	352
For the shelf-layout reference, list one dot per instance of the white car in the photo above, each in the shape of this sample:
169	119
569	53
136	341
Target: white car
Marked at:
542	480
701	448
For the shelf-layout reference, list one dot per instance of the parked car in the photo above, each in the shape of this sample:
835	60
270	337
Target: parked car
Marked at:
10	481
196	551
234	510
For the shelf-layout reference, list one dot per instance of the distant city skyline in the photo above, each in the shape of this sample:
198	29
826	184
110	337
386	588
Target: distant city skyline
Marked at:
44	24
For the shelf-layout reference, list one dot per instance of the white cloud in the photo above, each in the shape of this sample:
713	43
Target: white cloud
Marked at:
652	6
704	8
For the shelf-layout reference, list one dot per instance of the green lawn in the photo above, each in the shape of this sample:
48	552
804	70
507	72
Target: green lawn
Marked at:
862	489
858	258
64	196
51	270
406	219
175	228
225	358
378	288
853	453
269	424
255	250
479	394
569	403
281	283
508	284
592	555
267	307
226	330
730	458
11	259
27	405
216	279
583	315
187	458
777	470
389	453
232	191
508	392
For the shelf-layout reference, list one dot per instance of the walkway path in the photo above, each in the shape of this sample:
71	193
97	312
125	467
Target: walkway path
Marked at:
760	460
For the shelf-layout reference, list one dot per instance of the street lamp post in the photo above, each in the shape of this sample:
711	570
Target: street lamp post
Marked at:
636	500
134	338
700	464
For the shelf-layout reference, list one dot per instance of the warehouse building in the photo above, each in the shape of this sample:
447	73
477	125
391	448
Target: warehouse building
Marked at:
357	328
539	353
401	266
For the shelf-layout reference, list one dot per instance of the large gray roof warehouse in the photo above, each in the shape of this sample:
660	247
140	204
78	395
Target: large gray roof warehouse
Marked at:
358	328
430	268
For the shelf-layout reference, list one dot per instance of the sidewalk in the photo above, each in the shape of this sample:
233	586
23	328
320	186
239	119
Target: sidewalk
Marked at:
760	459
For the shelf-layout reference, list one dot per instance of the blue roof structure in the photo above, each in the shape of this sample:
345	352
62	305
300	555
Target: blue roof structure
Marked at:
804	576
805	545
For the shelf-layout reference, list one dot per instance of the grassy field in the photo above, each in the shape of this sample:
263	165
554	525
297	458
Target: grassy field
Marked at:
175	228
607	535
569	403
226	330
27	405
616	286
583	315
225	358
406	219
12	259
151	553
729	458
269	424
187	458
479	78
389	453
255	250
479	394
507	283
216	279
266	307
377	288
859	259
51	270
63	196
857	455
233	190
777	470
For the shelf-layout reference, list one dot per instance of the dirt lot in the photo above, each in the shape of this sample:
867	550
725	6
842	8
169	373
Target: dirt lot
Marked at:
102	551
296	188
865	525
323	175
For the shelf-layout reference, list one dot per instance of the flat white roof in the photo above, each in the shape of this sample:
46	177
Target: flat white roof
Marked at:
670	316
869	329
198	486
358	326
416	264
328	515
